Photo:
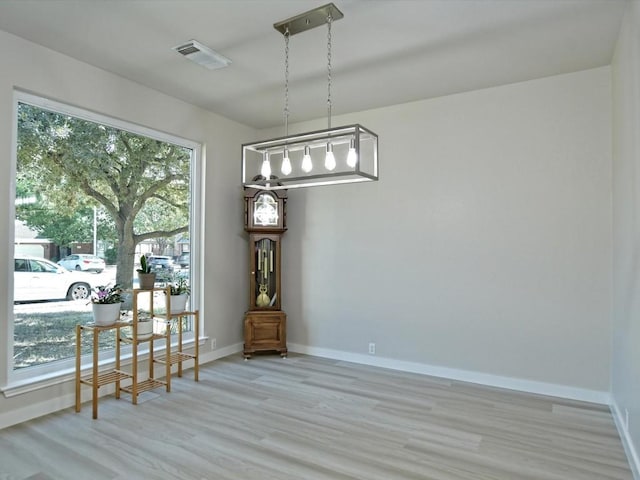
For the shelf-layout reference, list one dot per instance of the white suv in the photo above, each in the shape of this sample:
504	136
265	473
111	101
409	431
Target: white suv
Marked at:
36	278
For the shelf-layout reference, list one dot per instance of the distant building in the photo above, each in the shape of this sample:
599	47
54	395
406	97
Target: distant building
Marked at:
27	243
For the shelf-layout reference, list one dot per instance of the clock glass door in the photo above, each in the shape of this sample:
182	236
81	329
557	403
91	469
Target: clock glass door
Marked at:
265	273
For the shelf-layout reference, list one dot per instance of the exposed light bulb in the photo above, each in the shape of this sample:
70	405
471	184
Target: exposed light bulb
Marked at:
265	171
307	166
330	159
286	163
352	156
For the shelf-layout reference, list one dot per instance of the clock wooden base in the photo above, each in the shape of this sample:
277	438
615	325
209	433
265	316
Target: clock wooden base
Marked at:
265	331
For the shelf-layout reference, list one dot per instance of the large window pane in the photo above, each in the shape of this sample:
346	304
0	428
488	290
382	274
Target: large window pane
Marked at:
91	198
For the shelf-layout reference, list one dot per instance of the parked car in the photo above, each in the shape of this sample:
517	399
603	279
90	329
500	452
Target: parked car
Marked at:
162	265
84	262
184	260
36	278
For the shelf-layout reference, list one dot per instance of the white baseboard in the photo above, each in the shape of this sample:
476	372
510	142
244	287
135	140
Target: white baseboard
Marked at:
529	386
220	353
35	410
627	442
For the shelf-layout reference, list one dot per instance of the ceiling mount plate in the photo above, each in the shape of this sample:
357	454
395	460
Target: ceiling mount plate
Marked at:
308	20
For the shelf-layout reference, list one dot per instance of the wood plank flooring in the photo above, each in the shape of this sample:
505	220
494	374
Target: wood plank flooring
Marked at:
309	418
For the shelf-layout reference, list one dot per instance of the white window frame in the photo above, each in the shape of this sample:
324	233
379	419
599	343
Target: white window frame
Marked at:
15	382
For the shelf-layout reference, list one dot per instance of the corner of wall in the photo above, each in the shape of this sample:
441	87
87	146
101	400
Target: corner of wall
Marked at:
627	442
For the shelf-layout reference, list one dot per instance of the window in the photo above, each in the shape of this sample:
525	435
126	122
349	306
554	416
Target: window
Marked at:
92	195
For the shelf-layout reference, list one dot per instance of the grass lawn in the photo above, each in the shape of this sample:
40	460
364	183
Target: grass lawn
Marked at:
41	337
44	337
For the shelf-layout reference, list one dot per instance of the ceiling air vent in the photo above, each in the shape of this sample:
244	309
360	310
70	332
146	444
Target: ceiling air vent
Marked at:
196	52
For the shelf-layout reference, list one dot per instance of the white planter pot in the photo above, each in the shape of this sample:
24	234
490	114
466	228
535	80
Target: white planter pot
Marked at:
106	313
178	303
145	328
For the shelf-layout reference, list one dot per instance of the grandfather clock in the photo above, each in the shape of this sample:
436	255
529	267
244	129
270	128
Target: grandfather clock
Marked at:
265	324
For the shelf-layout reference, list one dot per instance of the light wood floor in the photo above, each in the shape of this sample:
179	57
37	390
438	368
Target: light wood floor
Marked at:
307	418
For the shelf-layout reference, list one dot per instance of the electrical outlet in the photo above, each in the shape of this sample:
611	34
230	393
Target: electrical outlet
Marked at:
213	344
372	349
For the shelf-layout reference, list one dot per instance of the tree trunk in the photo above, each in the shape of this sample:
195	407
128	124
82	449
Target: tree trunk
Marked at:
126	259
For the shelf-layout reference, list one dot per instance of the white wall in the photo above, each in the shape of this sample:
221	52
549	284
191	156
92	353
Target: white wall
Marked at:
485	246
626	232
37	69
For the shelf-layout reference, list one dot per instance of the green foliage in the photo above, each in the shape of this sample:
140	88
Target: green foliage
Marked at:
106	295
65	227
144	266
110	256
179	286
112	166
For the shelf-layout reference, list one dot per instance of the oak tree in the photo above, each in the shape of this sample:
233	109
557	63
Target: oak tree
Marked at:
69	165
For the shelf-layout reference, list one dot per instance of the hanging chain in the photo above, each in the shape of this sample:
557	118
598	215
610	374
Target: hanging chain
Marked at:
329	19
286	82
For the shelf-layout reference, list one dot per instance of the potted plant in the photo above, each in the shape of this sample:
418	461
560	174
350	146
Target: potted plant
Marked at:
106	302
180	292
144	326
145	275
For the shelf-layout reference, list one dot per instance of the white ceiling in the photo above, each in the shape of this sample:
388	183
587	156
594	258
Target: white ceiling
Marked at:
384	51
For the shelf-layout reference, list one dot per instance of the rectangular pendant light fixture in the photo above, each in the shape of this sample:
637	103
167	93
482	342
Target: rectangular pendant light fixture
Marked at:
346	154
355	150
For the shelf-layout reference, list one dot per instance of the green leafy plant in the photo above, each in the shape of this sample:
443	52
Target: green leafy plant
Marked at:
104	294
179	286
144	266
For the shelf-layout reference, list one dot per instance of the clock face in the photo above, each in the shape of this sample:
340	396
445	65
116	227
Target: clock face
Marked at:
265	210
